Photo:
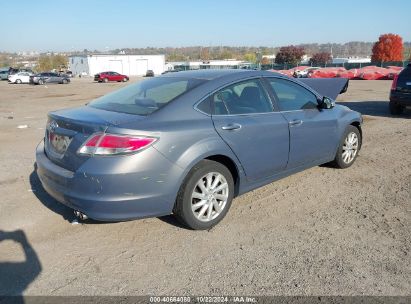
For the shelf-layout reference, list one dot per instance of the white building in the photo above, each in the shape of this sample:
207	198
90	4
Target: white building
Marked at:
131	65
352	60
209	64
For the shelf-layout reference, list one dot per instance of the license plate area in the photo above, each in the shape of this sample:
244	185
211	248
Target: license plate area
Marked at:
57	144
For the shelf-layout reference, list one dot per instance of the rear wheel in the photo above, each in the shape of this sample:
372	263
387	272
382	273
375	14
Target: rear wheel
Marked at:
349	146
205	196
396	109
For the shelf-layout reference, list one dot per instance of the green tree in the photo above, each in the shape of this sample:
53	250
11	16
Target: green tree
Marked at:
59	61
176	57
226	54
48	63
5	61
250	57
44	63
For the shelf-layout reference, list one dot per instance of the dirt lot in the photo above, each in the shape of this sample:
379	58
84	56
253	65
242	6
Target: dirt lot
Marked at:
320	232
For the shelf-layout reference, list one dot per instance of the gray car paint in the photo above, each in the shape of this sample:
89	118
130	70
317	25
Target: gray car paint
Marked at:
145	184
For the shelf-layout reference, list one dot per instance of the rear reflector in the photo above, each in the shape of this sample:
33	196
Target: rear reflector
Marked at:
110	144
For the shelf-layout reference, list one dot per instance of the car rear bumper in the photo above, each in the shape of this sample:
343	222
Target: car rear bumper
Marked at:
111	197
403	99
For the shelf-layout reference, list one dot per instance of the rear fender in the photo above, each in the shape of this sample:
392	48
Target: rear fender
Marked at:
203	149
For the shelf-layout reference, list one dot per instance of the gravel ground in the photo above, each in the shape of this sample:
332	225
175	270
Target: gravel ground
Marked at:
319	232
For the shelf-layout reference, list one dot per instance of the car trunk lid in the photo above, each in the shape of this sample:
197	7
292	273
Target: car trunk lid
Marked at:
68	129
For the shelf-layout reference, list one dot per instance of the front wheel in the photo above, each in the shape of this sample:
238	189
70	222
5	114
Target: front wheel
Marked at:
105	80
18	81
205	196
65	81
41	81
349	146
125	79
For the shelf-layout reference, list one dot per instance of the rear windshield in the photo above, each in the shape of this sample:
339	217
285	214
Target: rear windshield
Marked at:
147	96
406	72
404	76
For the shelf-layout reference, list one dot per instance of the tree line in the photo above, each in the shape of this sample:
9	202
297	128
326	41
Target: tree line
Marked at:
319	53
388	48
349	49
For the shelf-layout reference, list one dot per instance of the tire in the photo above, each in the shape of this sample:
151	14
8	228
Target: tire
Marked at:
41	81
105	80
125	79
344	158
396	109
64	81
18	81
202	218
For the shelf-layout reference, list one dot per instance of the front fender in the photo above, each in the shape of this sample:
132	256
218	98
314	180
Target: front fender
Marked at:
348	117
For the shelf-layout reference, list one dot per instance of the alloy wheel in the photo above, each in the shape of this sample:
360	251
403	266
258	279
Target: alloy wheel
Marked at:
350	148
209	196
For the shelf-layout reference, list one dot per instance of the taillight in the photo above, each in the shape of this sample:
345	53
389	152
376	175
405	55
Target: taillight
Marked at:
394	83
111	144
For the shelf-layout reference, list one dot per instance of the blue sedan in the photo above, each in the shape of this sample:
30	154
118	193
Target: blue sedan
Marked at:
187	143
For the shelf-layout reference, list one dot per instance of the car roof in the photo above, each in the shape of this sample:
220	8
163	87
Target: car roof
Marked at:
214	74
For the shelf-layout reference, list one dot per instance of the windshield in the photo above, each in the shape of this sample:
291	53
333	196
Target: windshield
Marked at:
147	96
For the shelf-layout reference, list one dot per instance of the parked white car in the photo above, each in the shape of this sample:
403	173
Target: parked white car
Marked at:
21	77
304	73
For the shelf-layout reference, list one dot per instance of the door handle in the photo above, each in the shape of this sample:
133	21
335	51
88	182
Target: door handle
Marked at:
296	122
231	127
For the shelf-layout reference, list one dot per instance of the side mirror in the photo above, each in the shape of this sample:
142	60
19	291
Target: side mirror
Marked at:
327	103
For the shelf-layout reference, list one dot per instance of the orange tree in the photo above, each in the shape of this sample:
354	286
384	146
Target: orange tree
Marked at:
389	47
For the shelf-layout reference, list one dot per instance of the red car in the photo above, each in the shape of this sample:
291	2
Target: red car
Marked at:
110	76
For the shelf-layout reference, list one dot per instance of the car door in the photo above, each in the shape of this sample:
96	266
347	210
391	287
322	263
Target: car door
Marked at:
47	77
25	77
243	116
56	78
111	76
115	76
313	131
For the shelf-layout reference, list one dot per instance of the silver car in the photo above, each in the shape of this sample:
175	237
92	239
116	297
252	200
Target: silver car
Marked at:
187	143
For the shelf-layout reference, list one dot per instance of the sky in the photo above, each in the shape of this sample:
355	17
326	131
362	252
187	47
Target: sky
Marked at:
46	25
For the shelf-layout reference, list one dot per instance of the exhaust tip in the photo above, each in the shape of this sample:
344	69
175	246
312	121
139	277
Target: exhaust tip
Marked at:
80	215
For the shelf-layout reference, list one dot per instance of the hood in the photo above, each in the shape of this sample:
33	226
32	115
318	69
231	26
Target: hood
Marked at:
330	87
